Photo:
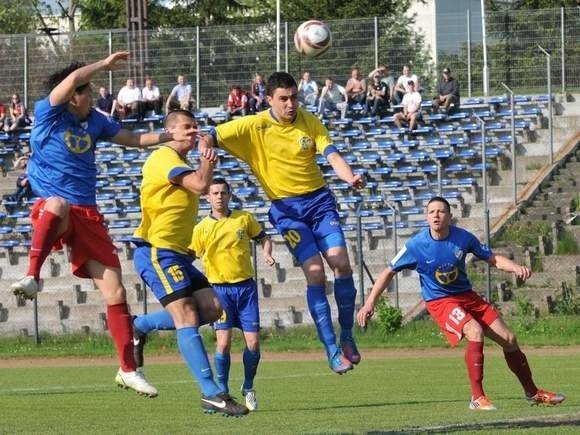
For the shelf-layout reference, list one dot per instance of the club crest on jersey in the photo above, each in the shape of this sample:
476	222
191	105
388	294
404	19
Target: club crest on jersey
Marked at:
306	143
77	143
240	233
459	254
446	274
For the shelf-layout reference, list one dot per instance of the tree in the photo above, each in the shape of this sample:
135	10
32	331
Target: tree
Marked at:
17	17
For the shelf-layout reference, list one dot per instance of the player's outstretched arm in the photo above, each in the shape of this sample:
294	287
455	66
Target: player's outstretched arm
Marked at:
368	309
63	92
200	180
344	172
507	265
144	140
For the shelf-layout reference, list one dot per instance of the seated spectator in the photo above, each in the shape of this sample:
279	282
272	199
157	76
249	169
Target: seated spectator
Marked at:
411	108
377	96
356	88
128	102
23	189
447	92
258	100
307	90
152	99
402	85
2	116
237	102
104	102
181	96
387	78
333	98
18	114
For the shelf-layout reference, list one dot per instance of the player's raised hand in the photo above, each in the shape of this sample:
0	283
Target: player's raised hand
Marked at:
364	315
111	61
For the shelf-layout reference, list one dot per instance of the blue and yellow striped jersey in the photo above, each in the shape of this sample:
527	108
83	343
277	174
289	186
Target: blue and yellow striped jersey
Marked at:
168	211
281	155
224	246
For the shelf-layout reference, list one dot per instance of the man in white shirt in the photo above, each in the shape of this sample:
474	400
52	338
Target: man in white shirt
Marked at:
181	96
402	86
128	101
151	97
333	97
411	108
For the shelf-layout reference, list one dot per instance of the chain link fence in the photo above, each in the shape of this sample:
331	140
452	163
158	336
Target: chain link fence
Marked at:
214	58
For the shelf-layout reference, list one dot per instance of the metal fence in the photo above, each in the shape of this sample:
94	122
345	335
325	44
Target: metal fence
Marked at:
214	58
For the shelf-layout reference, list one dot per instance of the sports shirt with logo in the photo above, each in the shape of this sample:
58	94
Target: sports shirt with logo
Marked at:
440	263
63	152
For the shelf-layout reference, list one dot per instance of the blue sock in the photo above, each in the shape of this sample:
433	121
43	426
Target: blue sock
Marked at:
345	295
159	320
251	360
222	363
194	354
320	312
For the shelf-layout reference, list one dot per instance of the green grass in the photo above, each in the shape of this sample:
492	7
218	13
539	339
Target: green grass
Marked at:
419	334
406	394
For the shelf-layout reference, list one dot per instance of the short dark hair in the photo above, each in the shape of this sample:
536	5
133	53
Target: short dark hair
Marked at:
57	77
440	199
170	118
221	180
279	79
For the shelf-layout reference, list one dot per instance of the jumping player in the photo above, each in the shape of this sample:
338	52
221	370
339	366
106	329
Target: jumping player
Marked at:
169	202
62	172
222	239
438	254
280	145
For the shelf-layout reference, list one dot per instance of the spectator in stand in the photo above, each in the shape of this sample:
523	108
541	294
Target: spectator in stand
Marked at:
402	86
18	114
181	96
128	102
2	116
152	99
332	98
447	93
237	102
104	101
387	78
411	108
258	100
356	88
23	189
377	98
307	90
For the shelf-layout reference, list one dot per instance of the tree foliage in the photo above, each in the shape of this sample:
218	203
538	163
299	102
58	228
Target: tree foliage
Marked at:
17	17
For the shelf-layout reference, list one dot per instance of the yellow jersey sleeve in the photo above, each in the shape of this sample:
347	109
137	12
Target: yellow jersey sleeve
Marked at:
281	155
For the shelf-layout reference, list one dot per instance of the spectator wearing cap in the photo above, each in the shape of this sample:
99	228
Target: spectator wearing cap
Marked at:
387	78
447	92
377	96
411	108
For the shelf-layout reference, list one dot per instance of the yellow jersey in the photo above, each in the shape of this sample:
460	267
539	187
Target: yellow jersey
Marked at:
224	246
168	211
281	155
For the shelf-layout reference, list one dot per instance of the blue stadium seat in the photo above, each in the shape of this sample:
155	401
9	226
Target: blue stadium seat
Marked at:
127	196
518	99
458	140
493	151
121	182
408	211
476	139
436	117
504	113
382	170
521	124
132	209
110	210
384	212
103	144
386	119
9	243
352	133
408	143
360	145
5	229
405	169
433	141
343	122
398	130
392	184
472	102
422	129
530	111
470	126
443	154
23	229
257	203
393	157
494	125
18	214
119	223
370	157
376	131
428	168
105	196
416	183
458	116
364	213
372	226
456	167
544	98
418	155
245	192
467	153
500	99
399	197
385	144
365	120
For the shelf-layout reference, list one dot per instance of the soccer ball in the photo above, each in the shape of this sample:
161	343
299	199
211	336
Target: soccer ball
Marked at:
312	38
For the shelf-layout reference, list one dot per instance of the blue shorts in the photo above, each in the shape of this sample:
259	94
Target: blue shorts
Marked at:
169	274
309	223
240	304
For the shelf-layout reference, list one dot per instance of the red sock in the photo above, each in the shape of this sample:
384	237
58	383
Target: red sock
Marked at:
518	363
474	363
43	238
121	328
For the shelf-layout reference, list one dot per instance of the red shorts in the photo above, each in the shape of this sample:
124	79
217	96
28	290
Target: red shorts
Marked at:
451	313
86	236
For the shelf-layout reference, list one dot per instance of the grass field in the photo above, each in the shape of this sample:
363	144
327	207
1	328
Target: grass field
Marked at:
419	391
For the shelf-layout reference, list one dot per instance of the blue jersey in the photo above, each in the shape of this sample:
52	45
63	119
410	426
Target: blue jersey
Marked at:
63	152
440	263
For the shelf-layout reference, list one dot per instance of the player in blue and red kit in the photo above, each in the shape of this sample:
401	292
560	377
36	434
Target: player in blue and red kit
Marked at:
62	172
280	146
438	255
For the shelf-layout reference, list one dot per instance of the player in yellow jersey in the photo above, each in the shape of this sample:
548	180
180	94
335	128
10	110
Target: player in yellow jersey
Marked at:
280	145
169	202
222	240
